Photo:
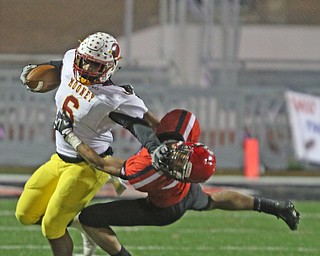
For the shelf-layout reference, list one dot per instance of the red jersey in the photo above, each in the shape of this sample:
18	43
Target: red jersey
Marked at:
162	190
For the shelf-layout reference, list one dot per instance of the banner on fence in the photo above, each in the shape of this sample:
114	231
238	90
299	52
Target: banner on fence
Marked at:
304	117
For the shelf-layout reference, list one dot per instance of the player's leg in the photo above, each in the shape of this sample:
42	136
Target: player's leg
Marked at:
231	200
97	218
284	210
77	185
37	192
107	239
62	245
89	246
138	212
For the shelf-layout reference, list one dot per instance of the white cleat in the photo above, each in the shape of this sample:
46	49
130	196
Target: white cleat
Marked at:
89	246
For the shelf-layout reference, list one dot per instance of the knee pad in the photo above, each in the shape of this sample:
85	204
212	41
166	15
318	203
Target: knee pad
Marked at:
26	219
52	229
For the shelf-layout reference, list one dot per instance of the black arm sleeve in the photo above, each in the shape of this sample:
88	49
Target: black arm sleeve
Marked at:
139	128
56	63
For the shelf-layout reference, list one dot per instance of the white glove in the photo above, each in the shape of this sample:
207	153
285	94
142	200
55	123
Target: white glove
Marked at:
129	88
23	76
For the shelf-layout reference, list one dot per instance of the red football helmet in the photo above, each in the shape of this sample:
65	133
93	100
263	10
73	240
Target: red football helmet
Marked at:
179	124
203	162
186	161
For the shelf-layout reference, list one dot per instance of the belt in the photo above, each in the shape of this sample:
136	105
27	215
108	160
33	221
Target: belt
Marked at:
79	159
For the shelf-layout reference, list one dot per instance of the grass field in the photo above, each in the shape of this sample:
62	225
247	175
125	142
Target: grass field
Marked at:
197	233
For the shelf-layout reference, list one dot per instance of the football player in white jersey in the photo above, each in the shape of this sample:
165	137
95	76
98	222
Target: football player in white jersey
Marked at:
59	189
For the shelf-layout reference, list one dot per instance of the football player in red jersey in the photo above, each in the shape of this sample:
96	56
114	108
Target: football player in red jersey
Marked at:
163	169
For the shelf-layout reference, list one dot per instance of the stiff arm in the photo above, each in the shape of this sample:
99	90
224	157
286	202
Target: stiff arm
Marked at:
139	128
111	165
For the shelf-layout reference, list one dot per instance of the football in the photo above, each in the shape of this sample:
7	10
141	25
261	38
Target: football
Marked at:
43	78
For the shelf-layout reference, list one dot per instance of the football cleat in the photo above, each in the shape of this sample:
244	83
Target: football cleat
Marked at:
89	246
287	212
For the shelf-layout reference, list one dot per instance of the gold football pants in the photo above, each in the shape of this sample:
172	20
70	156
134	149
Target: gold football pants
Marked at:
56	193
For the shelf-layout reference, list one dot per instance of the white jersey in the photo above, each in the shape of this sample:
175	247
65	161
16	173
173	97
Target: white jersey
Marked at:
89	108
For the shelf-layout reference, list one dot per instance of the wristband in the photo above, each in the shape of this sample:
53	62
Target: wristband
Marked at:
73	140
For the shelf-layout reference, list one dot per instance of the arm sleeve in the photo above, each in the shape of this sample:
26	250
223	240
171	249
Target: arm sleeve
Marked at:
139	128
56	63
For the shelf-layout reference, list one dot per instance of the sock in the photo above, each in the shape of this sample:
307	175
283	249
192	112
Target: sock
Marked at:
265	205
122	252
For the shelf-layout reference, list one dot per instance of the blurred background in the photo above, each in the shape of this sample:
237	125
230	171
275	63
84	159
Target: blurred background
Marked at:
249	70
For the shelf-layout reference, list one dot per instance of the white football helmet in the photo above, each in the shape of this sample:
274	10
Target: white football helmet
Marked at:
97	58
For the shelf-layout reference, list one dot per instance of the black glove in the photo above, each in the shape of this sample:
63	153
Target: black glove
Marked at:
164	158
161	158
63	124
129	88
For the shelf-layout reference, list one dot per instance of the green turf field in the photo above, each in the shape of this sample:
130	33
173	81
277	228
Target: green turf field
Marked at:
206	233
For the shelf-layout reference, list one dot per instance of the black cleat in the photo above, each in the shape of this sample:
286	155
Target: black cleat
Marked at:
287	212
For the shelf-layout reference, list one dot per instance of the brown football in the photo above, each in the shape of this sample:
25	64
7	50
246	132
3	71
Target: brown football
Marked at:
43	78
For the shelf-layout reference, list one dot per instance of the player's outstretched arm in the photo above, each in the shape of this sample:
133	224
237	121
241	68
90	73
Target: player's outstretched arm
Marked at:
139	128
152	120
111	165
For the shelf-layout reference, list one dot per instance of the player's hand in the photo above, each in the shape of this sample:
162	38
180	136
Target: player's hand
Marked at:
23	76
63	124
165	159
161	158
129	88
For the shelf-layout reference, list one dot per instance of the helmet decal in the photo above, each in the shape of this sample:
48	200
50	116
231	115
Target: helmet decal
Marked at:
115	50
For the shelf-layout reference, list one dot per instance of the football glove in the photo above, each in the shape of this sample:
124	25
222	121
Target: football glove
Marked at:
128	88
161	158
166	158
63	124
23	76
